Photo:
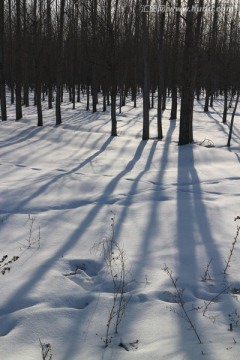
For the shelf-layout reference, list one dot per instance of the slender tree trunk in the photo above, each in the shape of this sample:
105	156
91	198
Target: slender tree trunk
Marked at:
36	37
113	111
136	46
164	95
104	101
211	100
78	92
2	65
160	76
175	65
120	101
211	60
94	70
225	108
11	82
49	57
73	96
25	57
207	97
232	120
112	60
38	98
60	65
18	61
145	134
152	99
88	96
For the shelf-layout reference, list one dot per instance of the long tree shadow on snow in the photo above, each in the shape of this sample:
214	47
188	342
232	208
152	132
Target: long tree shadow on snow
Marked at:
22	204
104	199
23	293
153	220
194	232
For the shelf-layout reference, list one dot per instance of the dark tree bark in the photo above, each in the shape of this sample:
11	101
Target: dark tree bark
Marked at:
104	101
161	76
94	70
111	16
175	64
145	37
88	97
11	82
2	65
25	49
78	92
211	60
49	56
18	61
113	111
60	64
225	106
37	60
232	120
228	49
192	36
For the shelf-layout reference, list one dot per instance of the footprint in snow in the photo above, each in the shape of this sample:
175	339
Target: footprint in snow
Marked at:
83	272
20	165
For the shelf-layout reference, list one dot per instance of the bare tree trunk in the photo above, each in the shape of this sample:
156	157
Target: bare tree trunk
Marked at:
175	65
111	45
192	36
88	96
136	45
104	101
37	60
25	57
74	65
113	111
2	70
232	119
78	92
145	134
225	107
226	72
94	72
11	82
49	57
60	65
18	61
160	76
211	60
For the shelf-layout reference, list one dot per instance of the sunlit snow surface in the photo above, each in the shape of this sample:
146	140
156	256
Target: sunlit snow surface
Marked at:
172	206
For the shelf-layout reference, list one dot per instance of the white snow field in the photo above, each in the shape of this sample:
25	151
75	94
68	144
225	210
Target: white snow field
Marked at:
69	192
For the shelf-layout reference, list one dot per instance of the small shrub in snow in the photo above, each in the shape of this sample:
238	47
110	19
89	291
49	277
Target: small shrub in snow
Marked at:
34	232
234	319
179	296
46	351
206	275
215	299
233	246
5	264
115	261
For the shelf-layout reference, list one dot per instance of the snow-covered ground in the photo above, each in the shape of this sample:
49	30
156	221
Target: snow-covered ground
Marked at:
66	192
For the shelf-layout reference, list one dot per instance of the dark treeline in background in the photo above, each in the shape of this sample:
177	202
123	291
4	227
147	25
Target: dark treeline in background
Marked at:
114	48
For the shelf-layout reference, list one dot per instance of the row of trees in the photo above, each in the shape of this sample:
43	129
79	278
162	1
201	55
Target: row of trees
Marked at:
118	47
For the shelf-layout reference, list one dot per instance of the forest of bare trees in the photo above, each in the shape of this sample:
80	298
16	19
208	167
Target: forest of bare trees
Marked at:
119	49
